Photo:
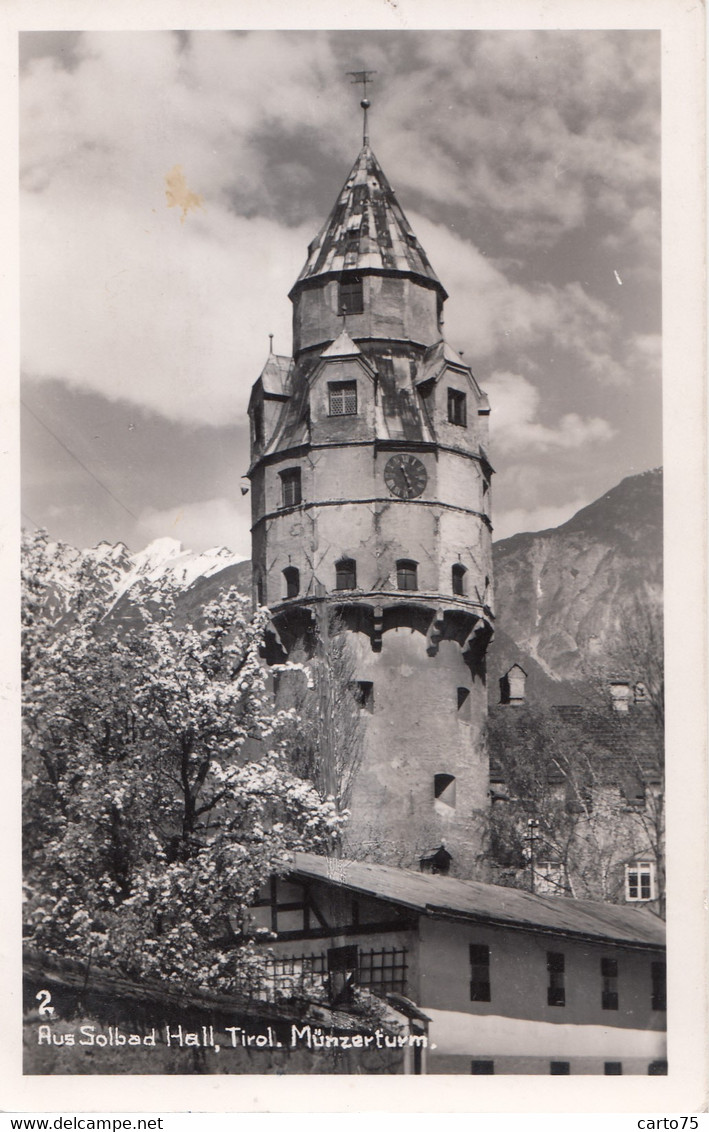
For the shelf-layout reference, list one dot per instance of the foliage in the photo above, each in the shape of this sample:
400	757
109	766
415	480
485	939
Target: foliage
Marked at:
325	743
158	794
586	785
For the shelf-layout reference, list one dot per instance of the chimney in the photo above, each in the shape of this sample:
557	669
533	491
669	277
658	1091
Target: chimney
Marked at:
620	693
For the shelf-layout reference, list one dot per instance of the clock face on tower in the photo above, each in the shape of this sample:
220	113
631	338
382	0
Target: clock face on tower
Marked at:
405	475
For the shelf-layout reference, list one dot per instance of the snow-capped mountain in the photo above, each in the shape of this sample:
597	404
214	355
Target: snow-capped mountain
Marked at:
199	575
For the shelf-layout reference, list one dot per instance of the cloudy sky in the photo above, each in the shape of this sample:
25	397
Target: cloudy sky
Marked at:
527	163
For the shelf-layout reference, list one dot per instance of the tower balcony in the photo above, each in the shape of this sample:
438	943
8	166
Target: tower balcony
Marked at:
437	616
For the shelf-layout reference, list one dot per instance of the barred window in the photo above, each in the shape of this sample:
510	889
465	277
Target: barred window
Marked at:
383	971
343	398
556	991
479	972
609	975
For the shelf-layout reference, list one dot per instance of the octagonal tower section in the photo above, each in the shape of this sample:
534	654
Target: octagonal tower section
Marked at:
371	499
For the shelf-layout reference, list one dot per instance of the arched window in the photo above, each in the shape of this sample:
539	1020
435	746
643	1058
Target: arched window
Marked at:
345	574
292	577
458	579
406	574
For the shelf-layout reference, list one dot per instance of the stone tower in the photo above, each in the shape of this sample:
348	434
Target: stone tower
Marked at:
371	497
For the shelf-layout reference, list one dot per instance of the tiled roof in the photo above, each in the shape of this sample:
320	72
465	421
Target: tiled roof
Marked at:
447	897
624	745
367	229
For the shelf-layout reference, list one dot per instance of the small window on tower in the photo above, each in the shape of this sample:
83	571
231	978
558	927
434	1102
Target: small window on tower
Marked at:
343	398
364	695
292	577
351	296
458	579
258	424
291	489
407	574
346	574
444	789
463	698
456	407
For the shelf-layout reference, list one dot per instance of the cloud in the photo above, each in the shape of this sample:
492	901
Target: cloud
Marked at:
199	526
487	310
542	129
121	298
515	427
135	305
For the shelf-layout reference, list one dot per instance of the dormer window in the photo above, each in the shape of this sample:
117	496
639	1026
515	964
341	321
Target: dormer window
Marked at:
351	296
456	408
342	398
291	493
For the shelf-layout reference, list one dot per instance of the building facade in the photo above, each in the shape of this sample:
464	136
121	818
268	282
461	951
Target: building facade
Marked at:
509	982
370	487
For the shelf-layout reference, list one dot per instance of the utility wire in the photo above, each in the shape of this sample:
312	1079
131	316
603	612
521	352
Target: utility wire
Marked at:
80	462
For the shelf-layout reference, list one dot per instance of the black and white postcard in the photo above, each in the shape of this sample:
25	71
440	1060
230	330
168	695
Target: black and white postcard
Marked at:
360	670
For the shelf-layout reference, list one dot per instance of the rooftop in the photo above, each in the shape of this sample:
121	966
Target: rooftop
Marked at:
367	229
448	898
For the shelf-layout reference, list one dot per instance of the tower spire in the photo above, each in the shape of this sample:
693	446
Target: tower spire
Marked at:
363	77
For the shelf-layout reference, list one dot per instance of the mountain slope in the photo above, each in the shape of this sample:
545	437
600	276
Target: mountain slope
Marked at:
562	594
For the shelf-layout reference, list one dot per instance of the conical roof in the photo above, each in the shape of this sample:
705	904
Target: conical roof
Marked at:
367	230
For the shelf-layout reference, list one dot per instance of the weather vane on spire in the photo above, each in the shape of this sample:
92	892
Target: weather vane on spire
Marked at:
363	77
